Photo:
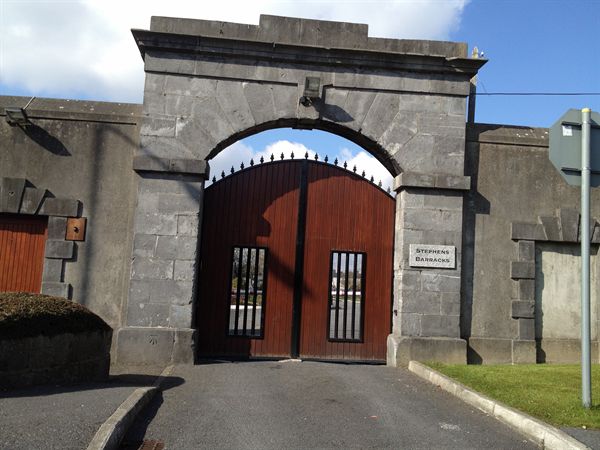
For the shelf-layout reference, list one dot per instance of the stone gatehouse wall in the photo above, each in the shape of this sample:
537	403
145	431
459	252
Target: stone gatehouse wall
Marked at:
521	234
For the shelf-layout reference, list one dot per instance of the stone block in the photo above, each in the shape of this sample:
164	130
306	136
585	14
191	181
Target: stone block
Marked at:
57	228
144	245
569	224
285	100
527	231
359	103
151	269
523	352
148	315
521	309
139	291
187	225
171	292
526	251
384	108
32	200
432	220
520	270
180	316
184	346
450	200
177	247
489	351
149	163
156	61
185	270
59	249
454	182
596	234
414	179
420	302
450	303
408	324
171	147
440	326
190	166
260	100
409	280
11	194
178	203
53	270
231	98
158	126
564	351
551	228
141	345
526	289
527	329
154	223
402	350
436	282
60	207
56	289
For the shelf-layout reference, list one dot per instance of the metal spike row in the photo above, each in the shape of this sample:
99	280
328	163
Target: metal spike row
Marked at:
262	160
371	179
242	166
272	157
222	174
282	155
326	158
379	184
232	169
251	162
354	169
316	156
363	173
336	161
214	180
345	165
306	155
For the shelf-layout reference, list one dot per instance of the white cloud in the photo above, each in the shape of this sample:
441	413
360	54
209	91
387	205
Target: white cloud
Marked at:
373	168
84	49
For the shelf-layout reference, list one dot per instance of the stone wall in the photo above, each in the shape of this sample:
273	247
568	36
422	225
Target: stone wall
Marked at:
519	205
75	159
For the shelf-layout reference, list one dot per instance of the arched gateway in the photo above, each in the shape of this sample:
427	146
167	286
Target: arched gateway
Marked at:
209	84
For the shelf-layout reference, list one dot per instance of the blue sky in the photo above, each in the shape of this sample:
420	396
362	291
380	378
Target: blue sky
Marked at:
83	49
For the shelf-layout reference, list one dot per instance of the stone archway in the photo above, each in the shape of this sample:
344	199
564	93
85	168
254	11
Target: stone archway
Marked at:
210	83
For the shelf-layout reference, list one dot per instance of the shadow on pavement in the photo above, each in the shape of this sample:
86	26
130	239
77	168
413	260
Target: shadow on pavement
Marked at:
135	436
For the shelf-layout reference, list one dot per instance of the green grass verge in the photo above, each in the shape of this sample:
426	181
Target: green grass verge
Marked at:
549	392
27	315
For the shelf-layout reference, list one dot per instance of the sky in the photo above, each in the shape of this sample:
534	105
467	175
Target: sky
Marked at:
83	49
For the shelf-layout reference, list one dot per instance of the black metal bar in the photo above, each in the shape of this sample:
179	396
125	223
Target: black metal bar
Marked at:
345	321
363	291
246	289
265	281
299	263
355	268
237	294
337	295
255	290
330	296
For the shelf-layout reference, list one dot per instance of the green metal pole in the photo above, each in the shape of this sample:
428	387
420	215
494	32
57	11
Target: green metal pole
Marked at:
586	374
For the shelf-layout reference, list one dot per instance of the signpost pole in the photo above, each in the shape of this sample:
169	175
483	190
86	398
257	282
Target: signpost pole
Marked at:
586	388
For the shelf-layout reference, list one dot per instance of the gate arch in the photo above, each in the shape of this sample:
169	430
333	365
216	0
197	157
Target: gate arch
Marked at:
210	83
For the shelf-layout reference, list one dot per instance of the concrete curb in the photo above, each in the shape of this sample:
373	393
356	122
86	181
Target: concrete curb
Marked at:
546	436
112	432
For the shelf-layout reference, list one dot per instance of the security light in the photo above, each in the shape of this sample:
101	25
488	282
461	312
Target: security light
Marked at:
312	90
16	116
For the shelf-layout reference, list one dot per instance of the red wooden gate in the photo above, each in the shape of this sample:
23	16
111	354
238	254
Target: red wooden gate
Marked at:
22	243
296	260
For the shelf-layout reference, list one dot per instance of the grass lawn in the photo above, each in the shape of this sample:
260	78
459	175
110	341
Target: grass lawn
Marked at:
549	392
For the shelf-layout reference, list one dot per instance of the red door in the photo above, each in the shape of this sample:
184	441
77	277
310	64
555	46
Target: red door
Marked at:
22	244
296	260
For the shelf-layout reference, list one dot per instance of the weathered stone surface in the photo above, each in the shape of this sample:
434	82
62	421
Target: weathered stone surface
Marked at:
151	269
526	250
144	245
569	224
551	228
11	194
154	223
178	203
60	207
520	269
57	228
231	98
523	352
148	315
384	108
59	249
526	289
158	126
177	247
147	163
442	326
137	345
527	329
523	309
32	200
187	225
180	316
53	270
490	351
184	270
527	231
171	292
56	289
401	350
436	282
420	302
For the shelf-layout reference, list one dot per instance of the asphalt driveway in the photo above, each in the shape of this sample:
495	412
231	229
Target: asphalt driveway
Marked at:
285	405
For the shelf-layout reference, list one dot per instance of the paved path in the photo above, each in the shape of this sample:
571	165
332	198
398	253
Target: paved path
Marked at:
285	405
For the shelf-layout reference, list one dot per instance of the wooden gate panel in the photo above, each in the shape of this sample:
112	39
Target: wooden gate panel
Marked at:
344	213
22	245
254	208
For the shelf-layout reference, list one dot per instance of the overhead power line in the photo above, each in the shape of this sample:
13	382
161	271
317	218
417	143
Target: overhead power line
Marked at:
548	94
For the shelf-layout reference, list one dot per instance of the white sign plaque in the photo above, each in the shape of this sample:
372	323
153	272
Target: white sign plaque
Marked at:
441	256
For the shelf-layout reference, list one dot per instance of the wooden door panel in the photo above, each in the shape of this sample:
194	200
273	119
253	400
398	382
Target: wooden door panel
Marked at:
22	244
255	208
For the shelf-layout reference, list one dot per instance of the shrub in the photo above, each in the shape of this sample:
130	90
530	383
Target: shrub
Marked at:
26	315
